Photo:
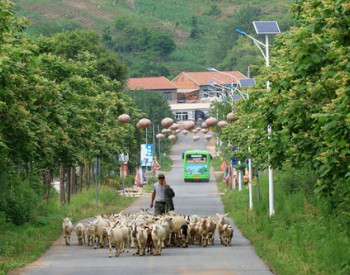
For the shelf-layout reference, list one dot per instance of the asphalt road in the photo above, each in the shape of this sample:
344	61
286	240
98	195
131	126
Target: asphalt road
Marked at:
191	198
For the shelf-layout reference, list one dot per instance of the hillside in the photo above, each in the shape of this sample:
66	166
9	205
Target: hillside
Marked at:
195	25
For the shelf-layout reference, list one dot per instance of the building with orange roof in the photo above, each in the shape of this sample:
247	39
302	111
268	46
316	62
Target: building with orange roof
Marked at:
190	93
195	92
158	84
198	85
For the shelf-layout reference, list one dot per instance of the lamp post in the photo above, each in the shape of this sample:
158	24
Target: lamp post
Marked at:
239	82
265	27
245	95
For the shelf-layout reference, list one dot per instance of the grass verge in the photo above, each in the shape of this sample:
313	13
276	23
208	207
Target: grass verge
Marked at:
22	245
303	237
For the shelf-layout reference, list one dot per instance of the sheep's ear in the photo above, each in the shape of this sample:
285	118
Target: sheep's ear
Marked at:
226	214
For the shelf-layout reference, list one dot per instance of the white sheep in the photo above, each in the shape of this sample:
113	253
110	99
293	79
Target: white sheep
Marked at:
184	236
100	235
67	228
204	232
158	234
90	233
80	231
166	226
115	238
222	220
227	234
142	238
126	237
133	235
193	232
212	228
175	226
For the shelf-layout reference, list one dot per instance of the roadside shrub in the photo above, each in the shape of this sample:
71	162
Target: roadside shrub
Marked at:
292	180
19	201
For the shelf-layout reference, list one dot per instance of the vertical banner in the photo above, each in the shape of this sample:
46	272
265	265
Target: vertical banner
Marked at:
146	155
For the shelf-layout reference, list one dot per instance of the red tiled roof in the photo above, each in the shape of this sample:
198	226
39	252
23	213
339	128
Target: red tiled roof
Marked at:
204	78
150	83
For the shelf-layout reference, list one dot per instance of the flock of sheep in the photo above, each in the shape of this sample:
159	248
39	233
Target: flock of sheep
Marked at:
145	232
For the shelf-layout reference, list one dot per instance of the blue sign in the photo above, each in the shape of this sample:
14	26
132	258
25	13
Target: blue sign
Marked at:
146	155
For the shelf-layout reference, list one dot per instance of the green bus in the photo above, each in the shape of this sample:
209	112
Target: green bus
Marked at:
196	165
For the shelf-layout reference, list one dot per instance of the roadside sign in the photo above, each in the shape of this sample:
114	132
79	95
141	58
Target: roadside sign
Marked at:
146	155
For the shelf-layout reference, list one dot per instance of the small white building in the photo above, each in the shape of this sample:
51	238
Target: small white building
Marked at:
187	111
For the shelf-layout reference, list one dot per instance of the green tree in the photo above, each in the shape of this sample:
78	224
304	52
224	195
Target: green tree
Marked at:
307	105
195	30
242	19
71	44
156	108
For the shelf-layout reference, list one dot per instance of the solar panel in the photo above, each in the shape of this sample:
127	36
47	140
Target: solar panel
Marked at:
266	27
246	82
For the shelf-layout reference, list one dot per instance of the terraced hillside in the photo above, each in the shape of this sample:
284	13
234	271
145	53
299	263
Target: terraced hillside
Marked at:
179	17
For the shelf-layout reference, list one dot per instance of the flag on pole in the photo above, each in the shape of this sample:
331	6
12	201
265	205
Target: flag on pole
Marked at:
156	165
137	177
143	175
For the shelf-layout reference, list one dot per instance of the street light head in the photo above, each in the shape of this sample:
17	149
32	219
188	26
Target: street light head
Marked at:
240	32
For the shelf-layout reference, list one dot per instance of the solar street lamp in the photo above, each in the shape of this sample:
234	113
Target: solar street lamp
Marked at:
267	28
243	83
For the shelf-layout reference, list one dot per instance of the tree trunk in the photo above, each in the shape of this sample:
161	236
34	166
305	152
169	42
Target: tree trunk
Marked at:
87	176
73	182
81	172
47	182
62	191
69	183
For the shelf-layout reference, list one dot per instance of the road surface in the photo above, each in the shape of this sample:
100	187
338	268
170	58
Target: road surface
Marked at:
191	198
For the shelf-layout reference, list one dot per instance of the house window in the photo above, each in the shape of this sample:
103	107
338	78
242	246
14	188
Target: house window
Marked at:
168	95
181	116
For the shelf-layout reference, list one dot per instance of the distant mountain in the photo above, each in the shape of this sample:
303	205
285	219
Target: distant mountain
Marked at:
198	27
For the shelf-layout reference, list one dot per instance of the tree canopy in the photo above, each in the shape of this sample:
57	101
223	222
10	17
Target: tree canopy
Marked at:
307	105
56	108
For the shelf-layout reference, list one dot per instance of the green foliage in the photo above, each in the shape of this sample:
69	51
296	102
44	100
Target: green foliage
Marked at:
302	237
149	45
50	27
195	30
56	110
20	245
212	10
148	67
192	25
74	43
307	112
156	108
18	203
295	181
165	163
229	39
